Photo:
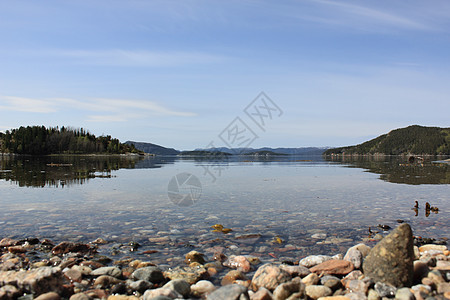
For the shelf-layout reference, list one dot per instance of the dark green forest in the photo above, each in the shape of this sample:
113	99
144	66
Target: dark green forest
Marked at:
413	139
38	140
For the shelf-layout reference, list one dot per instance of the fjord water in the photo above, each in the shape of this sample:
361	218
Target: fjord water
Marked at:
283	207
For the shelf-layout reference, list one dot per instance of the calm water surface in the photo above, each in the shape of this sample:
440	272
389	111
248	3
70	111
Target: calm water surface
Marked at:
314	206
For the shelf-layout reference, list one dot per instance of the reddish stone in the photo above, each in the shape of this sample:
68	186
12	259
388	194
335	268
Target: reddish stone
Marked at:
91	264
16	249
6	242
333	267
67	247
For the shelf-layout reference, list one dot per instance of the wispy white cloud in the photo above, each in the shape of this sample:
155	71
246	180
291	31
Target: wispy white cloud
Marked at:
133	58
105	109
26	105
368	14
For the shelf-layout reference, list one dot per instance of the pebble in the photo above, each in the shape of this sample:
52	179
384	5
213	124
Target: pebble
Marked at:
285	290
385	290
48	296
238	262
194	256
331	281
318	291
152	274
232	276
404	294
295	271
311	279
110	271
262	294
333	267
269	276
354	256
202	287
140	286
189	274
180	286
231	291
429	247
150	294
313	260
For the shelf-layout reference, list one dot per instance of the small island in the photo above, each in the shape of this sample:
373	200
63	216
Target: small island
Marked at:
39	140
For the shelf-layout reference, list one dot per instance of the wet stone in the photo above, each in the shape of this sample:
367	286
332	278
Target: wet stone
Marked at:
67	247
232	276
48	296
238	262
152	274
194	256
385	290
189	274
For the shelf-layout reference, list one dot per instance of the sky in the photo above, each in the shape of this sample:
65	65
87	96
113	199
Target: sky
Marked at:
187	74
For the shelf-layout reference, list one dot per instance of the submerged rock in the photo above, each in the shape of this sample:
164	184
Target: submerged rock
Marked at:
391	260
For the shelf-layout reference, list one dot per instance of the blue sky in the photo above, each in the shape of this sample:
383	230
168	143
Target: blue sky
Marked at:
177	73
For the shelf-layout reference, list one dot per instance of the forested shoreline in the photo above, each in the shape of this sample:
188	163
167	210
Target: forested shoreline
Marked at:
39	140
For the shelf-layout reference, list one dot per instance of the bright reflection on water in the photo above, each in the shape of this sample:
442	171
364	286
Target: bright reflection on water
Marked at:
293	198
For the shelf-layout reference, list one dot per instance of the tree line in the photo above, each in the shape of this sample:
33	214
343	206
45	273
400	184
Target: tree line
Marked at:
39	140
413	139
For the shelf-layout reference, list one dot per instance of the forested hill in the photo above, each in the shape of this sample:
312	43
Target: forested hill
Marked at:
413	139
38	140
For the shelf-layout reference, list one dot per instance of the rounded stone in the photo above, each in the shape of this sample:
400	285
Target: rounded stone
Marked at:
202	287
180	286
404	294
317	291
269	276
231	291
152	274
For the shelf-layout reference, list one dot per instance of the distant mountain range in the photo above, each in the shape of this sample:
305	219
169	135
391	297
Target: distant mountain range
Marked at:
288	151
153	148
415	139
160	150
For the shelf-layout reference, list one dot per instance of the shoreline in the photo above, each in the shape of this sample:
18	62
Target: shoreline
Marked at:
78	271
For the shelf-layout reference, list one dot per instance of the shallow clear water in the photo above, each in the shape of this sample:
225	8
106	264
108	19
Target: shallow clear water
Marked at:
313	206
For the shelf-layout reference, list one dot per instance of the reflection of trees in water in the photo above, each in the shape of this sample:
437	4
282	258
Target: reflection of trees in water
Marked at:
60	171
397	169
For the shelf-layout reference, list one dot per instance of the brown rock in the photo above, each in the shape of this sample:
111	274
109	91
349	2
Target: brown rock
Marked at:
105	281
73	275
48	296
79	296
391	260
9	292
66	247
194	256
6	242
262	294
238	262
351	276
122	297
36	281
232	276
269	276
333	267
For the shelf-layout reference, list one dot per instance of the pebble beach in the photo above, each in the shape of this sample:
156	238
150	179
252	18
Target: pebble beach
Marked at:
397	267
